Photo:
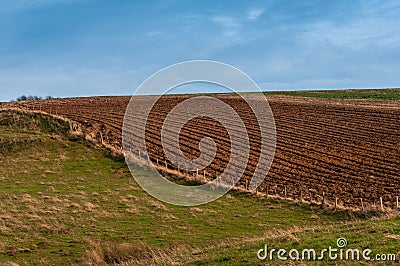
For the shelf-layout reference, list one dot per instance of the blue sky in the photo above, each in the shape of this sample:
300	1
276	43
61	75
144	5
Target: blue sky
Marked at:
85	47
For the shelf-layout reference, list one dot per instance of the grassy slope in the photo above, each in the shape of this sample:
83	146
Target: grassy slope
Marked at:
59	198
386	94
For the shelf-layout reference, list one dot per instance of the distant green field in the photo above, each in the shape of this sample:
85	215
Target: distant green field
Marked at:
386	94
64	201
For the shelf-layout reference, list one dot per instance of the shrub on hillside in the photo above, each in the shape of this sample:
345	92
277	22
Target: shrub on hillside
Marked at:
32	98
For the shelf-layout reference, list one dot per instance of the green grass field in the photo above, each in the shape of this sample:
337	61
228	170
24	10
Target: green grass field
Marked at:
64	201
385	94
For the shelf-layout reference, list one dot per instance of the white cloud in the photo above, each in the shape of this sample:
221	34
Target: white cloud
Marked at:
231	27
154	33
255	13
374	24
354	35
227	21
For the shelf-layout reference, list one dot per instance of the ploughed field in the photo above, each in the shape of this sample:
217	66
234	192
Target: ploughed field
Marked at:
346	149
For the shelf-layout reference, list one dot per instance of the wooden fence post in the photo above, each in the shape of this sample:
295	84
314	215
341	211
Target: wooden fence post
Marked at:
247	184
285	192
266	190
101	138
166	165
301	195
397	202
323	199
336	203
380	199
362	204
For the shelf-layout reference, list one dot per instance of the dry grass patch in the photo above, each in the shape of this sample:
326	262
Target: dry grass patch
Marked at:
105	253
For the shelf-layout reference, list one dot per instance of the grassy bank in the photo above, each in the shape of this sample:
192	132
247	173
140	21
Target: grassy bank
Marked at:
385	94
